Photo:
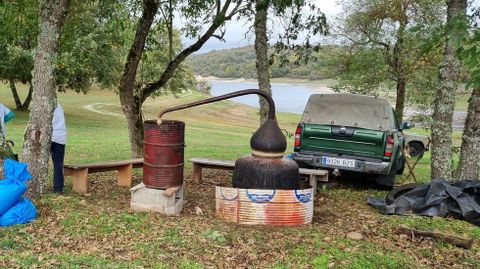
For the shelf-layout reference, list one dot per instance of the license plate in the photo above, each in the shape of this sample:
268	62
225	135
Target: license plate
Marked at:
338	162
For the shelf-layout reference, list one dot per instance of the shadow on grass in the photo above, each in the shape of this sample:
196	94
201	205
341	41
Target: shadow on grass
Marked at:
354	181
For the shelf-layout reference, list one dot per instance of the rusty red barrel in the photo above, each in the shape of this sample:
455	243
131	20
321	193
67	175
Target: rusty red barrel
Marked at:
163	154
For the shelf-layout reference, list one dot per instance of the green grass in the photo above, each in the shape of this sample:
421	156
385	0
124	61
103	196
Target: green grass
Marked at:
95	137
100	231
422	169
461	103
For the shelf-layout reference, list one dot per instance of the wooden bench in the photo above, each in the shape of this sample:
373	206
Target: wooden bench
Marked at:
81	171
199	163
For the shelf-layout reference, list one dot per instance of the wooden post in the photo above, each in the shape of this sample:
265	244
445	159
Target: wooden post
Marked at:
80	182
125	175
197	173
313	183
322	178
409	166
67	172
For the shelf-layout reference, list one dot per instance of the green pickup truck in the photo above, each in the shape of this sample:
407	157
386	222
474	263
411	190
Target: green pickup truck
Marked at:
346	132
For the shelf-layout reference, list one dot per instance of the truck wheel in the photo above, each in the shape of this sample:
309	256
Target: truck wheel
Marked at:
399	191
416	149
388	181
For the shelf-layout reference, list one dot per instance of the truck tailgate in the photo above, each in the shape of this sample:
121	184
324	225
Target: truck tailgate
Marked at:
343	140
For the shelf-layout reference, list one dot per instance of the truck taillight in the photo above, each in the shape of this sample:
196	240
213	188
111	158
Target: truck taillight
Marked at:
298	134
389	146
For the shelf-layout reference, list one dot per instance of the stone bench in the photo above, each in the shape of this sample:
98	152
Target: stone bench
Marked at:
199	163
80	172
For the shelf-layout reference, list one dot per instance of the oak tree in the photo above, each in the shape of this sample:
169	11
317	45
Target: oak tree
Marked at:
204	19
382	40
36	147
448	75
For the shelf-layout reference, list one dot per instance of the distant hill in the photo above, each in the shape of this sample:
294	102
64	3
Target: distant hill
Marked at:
240	63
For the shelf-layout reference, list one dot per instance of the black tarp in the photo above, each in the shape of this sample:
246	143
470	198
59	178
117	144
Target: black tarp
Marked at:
441	198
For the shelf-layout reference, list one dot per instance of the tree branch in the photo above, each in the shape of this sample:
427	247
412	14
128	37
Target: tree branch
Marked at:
234	11
220	37
169	71
374	41
450	238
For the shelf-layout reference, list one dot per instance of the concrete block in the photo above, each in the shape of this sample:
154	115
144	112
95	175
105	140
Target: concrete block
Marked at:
175	209
153	200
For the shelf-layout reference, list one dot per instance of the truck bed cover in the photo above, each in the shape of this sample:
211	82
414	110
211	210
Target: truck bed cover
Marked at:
349	110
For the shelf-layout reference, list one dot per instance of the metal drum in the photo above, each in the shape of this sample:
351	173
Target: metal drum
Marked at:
163	154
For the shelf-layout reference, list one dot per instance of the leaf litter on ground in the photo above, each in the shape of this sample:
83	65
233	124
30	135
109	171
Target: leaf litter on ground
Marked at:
103	232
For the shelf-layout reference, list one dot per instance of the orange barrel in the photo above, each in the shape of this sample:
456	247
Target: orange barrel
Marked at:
163	154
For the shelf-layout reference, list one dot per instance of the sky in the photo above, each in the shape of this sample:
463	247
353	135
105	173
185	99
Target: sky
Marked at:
235	34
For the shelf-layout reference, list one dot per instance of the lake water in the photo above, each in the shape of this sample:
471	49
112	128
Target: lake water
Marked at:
287	97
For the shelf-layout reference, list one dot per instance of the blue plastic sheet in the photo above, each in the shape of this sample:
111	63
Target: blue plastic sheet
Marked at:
22	212
10	192
16	171
13	208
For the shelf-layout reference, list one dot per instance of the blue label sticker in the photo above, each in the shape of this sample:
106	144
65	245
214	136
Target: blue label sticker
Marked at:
261	197
303	197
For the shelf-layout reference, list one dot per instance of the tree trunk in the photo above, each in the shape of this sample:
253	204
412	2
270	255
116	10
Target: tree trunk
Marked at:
261	51
469	165
399	64
36	147
131	109
18	103
131	104
170	30
445	100
400	103
16	97
27	101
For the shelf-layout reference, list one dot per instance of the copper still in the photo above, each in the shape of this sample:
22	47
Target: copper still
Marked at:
265	168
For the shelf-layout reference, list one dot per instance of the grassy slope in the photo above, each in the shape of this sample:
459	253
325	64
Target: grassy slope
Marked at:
93	136
100	230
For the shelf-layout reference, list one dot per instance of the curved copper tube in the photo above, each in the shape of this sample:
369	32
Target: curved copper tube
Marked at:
271	110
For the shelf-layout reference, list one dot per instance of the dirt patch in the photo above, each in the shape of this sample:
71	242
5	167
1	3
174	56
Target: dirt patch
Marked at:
100	109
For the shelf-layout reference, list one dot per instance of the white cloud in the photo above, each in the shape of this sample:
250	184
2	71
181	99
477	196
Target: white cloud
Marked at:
329	7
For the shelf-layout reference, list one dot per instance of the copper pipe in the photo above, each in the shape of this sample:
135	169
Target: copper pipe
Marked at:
271	110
